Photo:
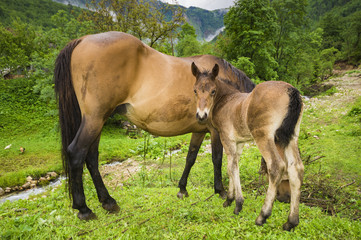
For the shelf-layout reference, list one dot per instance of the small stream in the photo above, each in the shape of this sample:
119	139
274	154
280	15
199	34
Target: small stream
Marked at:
38	190
30	192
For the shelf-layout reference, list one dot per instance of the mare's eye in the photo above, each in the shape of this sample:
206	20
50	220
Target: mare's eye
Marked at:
195	91
213	92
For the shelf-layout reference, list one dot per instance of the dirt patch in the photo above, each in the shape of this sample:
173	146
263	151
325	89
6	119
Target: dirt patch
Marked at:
115	174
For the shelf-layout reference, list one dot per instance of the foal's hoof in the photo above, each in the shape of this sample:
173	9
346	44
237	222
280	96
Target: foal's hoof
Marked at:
181	194
87	216
237	210
260	220
288	226
111	207
227	203
285	198
238	207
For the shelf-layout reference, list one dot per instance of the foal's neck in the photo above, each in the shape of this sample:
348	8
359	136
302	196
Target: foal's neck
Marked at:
224	90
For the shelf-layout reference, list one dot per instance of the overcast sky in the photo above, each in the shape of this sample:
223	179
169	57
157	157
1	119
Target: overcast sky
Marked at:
206	4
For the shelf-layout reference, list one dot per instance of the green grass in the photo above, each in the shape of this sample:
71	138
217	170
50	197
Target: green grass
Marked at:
151	210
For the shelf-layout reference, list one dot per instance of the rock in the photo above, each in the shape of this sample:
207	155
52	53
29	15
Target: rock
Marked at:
34	182
52	174
29	179
7	190
26	185
33	185
2	192
42	179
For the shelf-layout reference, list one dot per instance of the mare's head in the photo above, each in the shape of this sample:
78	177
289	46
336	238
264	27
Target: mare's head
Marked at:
205	91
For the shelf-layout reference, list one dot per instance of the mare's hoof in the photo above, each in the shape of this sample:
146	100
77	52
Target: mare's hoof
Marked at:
223	194
111	207
181	195
87	216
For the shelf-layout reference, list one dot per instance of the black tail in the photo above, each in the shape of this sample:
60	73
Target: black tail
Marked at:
287	129
69	111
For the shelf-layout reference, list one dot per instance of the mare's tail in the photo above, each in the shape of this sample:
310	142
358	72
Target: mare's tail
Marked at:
69	111
286	131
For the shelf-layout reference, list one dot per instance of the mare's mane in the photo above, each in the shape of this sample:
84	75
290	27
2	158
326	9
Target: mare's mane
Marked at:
244	83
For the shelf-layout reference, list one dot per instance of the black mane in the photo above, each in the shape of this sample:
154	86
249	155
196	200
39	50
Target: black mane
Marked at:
244	83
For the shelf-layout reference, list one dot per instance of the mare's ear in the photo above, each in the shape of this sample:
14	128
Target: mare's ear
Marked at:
195	70
215	70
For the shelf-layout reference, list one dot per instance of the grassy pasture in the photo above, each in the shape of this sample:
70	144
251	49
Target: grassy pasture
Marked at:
329	142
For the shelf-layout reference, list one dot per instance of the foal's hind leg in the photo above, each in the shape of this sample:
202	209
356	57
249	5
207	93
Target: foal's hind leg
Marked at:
78	150
195	144
295	172
276	168
107	201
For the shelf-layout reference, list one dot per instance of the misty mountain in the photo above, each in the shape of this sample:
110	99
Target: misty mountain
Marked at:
208	24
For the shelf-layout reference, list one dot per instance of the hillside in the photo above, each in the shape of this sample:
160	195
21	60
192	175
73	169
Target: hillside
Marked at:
38	13
35	12
205	22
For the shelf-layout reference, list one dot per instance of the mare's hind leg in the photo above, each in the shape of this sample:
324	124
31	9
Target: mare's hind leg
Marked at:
78	150
295	172
107	201
195	144
276	168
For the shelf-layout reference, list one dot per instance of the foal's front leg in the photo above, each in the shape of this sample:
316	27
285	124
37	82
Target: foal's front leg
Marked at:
234	151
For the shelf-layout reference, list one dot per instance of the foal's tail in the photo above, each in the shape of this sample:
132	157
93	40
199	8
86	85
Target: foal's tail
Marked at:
286	131
69	111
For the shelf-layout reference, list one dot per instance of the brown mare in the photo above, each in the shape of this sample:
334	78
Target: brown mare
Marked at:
97	74
271	116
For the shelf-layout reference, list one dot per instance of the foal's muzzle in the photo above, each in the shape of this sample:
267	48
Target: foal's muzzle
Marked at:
202	118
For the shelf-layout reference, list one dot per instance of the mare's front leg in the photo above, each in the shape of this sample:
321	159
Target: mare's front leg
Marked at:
195	144
234	151
108	203
217	155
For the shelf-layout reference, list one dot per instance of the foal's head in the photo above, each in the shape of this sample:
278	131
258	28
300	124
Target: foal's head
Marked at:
205	91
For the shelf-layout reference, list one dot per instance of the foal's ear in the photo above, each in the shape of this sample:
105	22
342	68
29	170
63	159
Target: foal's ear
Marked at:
215	70
195	70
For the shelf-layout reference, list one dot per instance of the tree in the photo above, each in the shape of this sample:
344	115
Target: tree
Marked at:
16	46
249	32
149	20
188	44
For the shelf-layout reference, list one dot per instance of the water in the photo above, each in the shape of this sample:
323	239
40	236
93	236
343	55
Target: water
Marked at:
38	190
30	192
218	31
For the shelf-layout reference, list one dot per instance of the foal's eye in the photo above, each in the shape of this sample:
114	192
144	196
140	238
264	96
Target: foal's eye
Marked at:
195	91
213	92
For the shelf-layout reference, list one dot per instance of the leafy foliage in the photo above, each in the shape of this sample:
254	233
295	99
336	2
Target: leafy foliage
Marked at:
146	20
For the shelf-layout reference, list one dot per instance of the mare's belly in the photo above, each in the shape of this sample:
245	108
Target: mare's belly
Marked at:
167	119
